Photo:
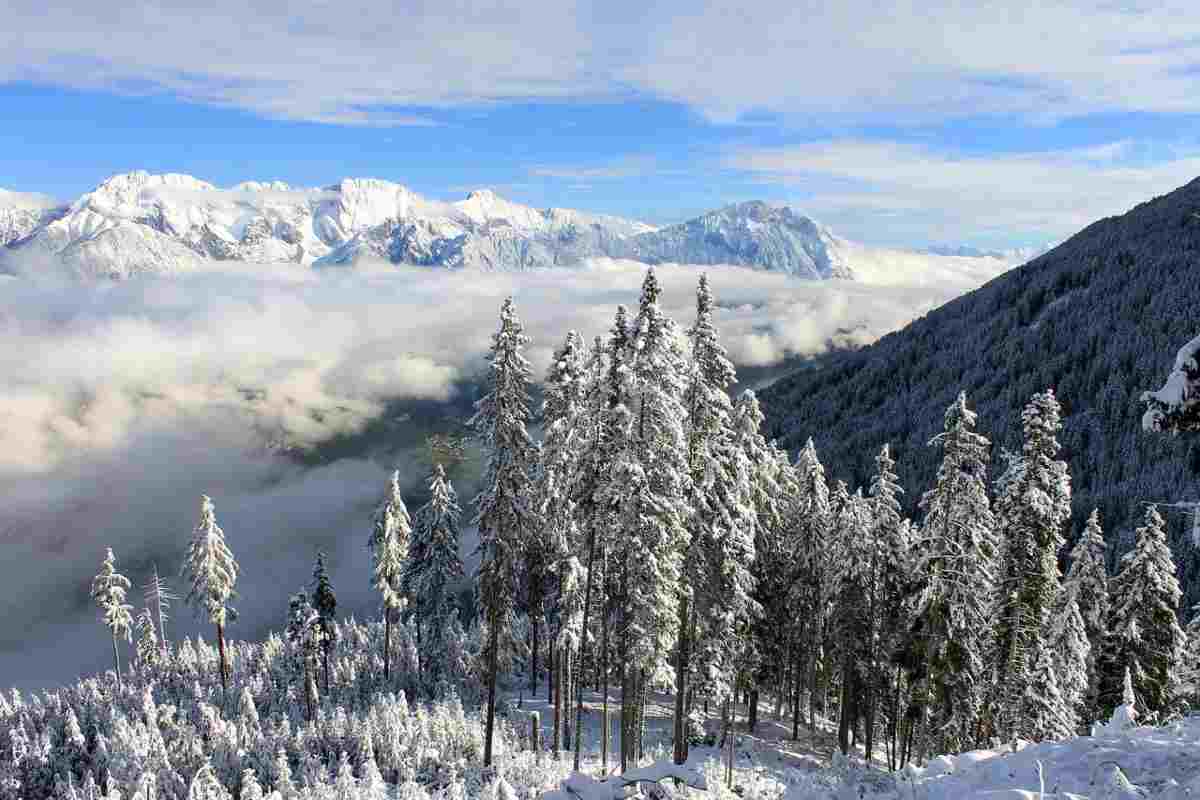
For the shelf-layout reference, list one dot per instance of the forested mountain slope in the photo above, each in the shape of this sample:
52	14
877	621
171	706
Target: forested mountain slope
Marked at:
1099	318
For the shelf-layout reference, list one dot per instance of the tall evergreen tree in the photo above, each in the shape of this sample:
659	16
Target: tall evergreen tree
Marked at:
1032	510
955	570
563	391
887	587
651	485
325	602
505	515
717	586
391	535
435	566
212	572
1071	653
1144	636
1087	582
108	590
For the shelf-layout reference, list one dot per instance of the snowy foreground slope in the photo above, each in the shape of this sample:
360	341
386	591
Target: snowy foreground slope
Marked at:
138	223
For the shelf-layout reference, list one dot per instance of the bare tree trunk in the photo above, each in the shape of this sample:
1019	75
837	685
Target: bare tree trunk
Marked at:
556	677
752	710
641	718
387	643
493	666
729	742
681	684
224	663
606	724
117	661
533	655
587	607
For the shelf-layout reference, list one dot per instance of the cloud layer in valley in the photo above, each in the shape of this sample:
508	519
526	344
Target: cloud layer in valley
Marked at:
121	403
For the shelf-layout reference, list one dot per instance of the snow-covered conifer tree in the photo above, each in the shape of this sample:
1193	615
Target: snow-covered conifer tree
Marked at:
435	565
108	590
718	580
1143	628
505	515
562	407
1034	507
1043	713
1087	582
391	532
1070	655
956	570
325	603
651	483
212	572
887	587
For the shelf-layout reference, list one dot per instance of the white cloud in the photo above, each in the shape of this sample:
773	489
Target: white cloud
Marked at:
871	189
362	63
120	404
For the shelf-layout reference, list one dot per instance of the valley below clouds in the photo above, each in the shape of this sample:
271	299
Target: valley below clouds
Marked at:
287	394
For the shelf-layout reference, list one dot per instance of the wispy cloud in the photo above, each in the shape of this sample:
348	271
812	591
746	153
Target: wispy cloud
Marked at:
870	189
347	63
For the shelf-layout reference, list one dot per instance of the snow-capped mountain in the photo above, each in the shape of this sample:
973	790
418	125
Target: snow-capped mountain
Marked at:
752	234
22	214
139	223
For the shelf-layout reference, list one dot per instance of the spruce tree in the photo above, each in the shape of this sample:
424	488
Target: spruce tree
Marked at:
435	566
391	534
887	588
717	589
212	572
650	485
1087	582
108	590
1032	510
1071	653
504	512
563	391
1144	636
956	570
325	602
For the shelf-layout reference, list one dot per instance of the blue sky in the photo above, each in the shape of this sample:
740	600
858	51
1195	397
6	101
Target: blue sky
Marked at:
904	124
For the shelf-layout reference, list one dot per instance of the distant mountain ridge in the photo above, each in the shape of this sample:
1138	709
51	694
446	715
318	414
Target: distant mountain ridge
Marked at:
139	223
1099	318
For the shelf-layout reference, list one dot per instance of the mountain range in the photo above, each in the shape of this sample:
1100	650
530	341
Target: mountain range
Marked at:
139	223
1098	318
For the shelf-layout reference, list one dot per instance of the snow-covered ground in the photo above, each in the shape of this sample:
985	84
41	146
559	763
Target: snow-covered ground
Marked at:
1117	762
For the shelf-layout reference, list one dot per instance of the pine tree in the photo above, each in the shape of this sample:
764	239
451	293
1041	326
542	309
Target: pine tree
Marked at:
325	603
888	586
650	484
1087	582
304	632
955	569
563	391
717	590
1144	636
212	572
435	565
149	653
391	533
1071	653
1032	510
1044	713
814	548
108	590
504	513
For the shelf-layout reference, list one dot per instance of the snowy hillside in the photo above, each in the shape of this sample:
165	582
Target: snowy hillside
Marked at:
139	223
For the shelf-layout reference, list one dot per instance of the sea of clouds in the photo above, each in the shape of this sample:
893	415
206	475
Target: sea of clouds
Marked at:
121	403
